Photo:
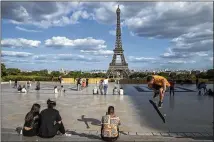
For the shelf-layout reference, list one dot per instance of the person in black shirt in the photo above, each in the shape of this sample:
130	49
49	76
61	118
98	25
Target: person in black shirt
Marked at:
31	125
50	121
19	88
16	83
87	82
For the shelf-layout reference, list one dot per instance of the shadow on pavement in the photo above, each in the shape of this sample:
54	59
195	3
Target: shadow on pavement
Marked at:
89	136
90	120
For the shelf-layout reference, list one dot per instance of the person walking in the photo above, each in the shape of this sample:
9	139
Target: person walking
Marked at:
196	82
105	83
172	87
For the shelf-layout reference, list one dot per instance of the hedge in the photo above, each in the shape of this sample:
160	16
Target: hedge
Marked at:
27	78
45	78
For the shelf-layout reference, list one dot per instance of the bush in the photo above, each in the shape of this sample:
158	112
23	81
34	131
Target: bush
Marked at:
111	80
27	78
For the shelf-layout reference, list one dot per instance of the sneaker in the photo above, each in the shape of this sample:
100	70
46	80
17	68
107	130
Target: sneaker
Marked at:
160	104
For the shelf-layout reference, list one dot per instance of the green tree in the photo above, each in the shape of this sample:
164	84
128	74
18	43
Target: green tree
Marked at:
3	70
13	71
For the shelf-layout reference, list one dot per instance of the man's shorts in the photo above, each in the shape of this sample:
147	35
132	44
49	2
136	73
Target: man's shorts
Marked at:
157	88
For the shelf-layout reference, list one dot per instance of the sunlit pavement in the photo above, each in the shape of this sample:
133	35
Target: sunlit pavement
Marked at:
185	112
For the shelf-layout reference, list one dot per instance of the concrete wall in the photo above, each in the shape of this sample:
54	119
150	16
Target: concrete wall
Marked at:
90	81
94	80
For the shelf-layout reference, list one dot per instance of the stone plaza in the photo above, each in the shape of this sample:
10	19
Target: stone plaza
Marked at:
186	113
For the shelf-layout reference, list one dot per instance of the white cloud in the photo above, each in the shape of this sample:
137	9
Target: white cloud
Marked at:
74	57
20	42
44	14
27	30
65	57
85	43
15	54
180	62
98	52
141	59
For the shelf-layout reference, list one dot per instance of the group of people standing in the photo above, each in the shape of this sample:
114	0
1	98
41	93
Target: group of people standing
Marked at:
103	87
81	83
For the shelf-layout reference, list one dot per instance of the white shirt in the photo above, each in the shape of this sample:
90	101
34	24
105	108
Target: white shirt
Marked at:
105	82
121	91
24	90
55	90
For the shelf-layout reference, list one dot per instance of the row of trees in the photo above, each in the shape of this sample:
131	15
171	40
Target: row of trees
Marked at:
12	72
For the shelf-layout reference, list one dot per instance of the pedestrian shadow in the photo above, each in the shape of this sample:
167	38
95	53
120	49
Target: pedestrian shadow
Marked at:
89	136
93	121
73	88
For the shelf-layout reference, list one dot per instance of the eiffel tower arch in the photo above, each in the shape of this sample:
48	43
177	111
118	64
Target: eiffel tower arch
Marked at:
118	69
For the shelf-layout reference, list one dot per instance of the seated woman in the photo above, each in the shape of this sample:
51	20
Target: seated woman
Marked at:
19	88
50	121
31	125
110	126
121	92
28	84
23	89
95	91
55	90
62	90
115	91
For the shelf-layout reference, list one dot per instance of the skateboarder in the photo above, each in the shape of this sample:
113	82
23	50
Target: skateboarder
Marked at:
159	84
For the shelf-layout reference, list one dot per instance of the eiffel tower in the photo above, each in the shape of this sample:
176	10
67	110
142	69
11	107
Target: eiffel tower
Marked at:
118	70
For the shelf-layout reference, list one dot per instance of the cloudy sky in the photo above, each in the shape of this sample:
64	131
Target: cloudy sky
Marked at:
72	35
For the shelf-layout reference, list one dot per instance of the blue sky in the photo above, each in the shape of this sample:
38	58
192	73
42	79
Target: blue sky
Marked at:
74	36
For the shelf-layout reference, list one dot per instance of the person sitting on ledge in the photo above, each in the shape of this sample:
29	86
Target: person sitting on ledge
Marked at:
55	90
31	125
62	89
115	91
50	121
95	91
19	88
110	125
37	85
28	84
121	92
23	89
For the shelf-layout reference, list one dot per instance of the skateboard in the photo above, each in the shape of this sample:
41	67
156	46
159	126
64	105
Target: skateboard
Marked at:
157	110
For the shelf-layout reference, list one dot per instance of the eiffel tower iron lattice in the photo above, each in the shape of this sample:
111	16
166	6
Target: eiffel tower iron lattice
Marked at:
118	70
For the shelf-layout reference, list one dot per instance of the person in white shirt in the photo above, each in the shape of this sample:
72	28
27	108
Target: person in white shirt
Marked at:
55	90
105	82
95	90
115	91
28	84
23	89
121	92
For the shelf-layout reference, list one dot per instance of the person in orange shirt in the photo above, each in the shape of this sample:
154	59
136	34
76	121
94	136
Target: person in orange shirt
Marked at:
159	84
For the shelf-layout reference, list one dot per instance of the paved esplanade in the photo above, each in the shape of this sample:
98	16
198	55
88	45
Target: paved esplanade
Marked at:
80	110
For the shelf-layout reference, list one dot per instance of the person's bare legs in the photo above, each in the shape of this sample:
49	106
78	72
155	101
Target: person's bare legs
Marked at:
161	97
